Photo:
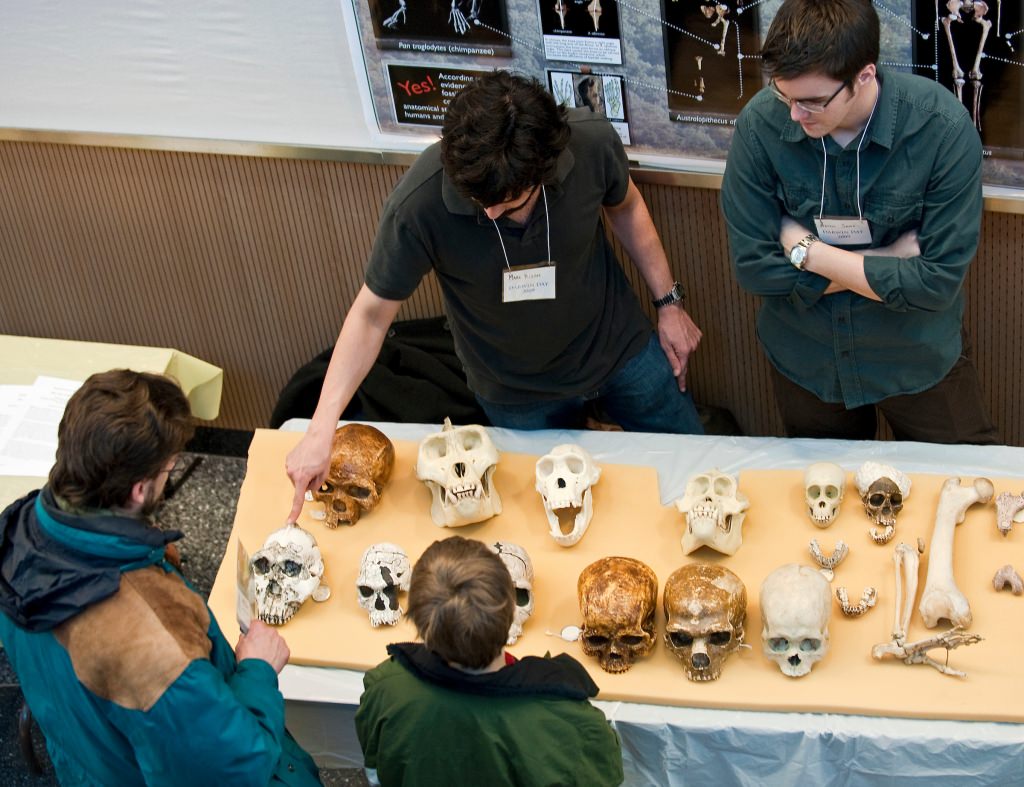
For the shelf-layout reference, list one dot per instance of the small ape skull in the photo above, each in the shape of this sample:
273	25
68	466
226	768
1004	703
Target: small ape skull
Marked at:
383	572
796	603
362	458
715	509
287	570
882	490
458	466
705	608
520	567
617	596
824	485
564	478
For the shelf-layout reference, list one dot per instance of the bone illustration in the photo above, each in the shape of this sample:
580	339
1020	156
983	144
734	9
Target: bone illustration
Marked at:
561	9
720	11
287	571
362	459
1007	578
868	599
976	10
564	479
457	18
824	485
594	9
519	565
714	509
457	464
941	597
384	571
828	563
1009	509
883	490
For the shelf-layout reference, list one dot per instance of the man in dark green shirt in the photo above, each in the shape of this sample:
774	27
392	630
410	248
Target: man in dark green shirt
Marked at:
853	201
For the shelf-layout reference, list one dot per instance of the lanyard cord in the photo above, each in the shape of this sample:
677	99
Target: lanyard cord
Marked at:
824	154
547	221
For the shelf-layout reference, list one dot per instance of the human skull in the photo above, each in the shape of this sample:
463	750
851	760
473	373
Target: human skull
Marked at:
383	572
705	609
796	604
520	567
617	597
883	490
715	509
286	571
362	458
824	484
458	466
564	478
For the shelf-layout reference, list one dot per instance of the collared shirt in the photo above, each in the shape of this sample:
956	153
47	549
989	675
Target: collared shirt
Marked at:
920	168
527	350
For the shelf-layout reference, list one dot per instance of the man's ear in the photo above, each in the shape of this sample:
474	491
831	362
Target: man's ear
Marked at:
137	495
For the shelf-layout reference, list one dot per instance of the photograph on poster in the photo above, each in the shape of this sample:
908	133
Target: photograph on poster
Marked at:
978	53
584	31
707	52
601	93
453	27
420	93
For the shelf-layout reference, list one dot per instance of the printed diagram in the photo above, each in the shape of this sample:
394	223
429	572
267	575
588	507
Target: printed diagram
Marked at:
975	12
456	18
478	27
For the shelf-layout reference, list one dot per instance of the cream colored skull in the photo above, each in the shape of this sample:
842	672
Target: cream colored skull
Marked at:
383	572
715	509
287	571
796	603
824	485
617	597
883	490
458	466
564	478
362	458
705	609
520	567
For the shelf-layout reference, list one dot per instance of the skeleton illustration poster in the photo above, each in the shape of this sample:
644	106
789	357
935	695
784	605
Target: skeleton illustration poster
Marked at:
712	52
581	30
455	27
601	93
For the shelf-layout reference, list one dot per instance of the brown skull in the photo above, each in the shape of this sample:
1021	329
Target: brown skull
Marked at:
705	608
361	462
883	500
617	596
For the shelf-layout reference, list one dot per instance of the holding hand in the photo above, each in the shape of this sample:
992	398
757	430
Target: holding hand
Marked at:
264	643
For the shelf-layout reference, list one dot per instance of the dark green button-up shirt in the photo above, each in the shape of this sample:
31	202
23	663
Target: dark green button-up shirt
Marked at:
920	168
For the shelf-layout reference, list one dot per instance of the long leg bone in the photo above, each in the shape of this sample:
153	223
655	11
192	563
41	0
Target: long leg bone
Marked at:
1008	506
867	600
1007	577
941	597
907	562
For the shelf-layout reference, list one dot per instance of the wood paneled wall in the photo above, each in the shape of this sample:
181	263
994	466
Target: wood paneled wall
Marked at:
250	263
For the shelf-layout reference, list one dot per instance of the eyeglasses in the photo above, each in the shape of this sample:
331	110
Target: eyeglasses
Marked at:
814	107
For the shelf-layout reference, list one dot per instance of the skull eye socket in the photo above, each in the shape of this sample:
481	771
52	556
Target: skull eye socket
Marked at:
814	491
522	597
680	639
261	565
365	591
575	464
391	593
596	641
723	486
778	644
831	492
720	638
291	568
435	447
877	499
544	467
357	491
810	645
470	441
896	499
327	488
701	484
631	640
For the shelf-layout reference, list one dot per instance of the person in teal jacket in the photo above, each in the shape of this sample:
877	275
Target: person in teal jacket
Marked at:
121	662
458	710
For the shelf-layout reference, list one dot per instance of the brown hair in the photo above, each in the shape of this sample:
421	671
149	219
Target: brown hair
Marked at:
120	427
836	38
461	601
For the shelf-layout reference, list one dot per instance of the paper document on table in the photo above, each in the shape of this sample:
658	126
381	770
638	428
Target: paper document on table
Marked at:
28	432
11	399
245	599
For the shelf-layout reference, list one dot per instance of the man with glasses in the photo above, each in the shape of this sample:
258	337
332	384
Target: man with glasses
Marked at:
508	211
121	662
852	196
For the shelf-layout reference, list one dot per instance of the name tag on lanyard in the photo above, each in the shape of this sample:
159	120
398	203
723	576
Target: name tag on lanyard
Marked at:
528	283
842	230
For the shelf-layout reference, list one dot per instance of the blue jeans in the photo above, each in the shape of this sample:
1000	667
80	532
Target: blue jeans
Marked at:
642	396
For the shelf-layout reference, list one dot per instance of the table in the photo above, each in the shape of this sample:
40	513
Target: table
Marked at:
673	745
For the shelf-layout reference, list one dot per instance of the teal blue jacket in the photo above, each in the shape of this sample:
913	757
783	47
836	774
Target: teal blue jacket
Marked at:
122	663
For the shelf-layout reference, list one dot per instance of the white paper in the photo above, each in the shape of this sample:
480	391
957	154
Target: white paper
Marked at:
28	430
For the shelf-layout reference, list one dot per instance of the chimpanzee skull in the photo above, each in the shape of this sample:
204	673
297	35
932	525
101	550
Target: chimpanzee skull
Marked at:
715	509
383	572
796	604
882	489
824	484
705	609
564	478
287	570
520	567
617	597
458	466
362	458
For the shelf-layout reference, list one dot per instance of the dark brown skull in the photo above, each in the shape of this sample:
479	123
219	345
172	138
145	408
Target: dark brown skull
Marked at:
361	462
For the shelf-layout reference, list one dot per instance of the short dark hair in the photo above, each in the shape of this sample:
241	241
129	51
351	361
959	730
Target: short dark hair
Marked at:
119	428
832	37
462	600
502	134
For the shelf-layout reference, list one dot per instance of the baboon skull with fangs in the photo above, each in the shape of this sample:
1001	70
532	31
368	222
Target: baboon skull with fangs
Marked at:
714	509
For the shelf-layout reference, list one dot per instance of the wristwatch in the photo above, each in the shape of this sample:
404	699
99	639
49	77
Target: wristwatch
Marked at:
675	295
798	254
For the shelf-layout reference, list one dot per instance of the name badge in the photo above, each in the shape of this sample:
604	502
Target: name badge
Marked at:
528	283
840	231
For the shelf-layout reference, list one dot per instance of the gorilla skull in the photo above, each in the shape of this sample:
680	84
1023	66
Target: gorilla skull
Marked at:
458	464
564	478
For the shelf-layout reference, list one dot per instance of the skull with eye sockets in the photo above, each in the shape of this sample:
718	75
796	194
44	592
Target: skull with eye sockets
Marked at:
288	570
362	458
457	464
796	604
383	572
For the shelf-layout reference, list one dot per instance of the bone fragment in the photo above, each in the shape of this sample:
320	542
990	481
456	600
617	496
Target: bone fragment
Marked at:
941	597
906	562
917	652
1007	577
833	560
1009	507
867	600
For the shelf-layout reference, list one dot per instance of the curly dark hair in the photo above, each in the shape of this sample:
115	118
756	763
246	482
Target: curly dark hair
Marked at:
832	37
502	135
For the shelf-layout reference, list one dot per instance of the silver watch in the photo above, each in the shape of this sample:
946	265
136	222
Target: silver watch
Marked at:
798	254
